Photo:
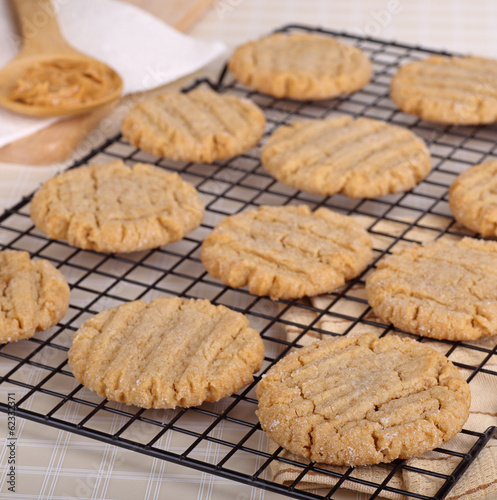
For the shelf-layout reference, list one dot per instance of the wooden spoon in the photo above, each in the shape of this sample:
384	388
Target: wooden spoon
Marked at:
44	45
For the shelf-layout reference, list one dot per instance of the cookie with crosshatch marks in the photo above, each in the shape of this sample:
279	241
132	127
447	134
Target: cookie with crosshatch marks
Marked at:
34	295
453	90
360	158
287	252
112	207
362	400
473	198
201	125
301	66
442	289
168	353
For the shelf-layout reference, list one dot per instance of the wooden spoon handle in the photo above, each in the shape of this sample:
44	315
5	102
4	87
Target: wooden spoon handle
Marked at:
39	27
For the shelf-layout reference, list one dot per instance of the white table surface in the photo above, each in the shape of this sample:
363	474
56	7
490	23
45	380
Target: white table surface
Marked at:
53	464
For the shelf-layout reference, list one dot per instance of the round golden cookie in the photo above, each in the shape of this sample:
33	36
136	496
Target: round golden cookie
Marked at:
301	66
200	126
287	252
171	352
454	90
440	290
116	208
33	296
361	158
473	198
362	400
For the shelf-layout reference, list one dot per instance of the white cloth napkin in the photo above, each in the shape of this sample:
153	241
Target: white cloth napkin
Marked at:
145	51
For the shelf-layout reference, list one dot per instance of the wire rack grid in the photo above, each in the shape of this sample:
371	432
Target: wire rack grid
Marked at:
37	368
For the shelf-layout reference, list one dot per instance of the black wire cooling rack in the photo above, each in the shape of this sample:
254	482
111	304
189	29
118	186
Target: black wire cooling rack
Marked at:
37	369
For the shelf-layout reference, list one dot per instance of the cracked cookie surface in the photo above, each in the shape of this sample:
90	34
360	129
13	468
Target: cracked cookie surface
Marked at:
362	400
171	352
287	252
301	66
200	125
455	90
441	290
112	207
34	295
360	158
473	198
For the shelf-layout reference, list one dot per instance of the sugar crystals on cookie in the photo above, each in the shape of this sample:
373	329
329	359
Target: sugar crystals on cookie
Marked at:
301	66
167	353
473	198
201	125
441	289
113	207
360	158
454	90
34	295
363	400
287	252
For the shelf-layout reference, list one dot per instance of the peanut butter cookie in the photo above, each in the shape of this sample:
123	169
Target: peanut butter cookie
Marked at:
361	158
115	208
200	126
441	290
473	198
301	66
453	90
33	296
287	252
362	400
171	352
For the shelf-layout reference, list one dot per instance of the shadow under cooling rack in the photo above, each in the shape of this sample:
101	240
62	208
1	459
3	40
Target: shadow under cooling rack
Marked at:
225	438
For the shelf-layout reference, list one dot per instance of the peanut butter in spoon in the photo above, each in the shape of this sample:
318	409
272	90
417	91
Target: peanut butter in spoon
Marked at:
48	77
